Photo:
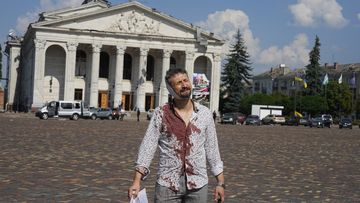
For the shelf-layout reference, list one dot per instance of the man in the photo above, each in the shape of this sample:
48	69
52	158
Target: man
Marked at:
186	136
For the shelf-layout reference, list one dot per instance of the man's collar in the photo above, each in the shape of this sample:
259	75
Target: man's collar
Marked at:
195	105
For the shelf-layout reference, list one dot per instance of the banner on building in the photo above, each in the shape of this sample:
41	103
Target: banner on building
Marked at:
201	89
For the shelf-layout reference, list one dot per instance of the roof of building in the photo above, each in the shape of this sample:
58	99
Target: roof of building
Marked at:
282	72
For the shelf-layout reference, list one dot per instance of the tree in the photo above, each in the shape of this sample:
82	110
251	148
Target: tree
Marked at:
258	98
313	105
234	76
313	70
338	98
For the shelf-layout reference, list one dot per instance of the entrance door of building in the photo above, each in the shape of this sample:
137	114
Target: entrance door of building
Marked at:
103	99
127	99
149	102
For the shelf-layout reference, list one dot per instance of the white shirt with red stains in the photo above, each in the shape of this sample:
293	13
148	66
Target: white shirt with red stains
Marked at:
183	150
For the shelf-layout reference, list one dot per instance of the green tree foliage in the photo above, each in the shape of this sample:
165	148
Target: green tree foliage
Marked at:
264	99
235	75
258	98
313	105
338	98
314	71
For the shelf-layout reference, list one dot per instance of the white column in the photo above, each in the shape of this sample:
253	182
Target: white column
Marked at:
94	83
70	71
165	66
189	64
215	82
141	78
39	70
14	54
120	51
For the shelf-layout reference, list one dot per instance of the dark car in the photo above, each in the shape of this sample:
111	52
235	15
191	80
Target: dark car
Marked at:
233	118
118	115
102	113
252	120
304	121
293	120
345	123
316	122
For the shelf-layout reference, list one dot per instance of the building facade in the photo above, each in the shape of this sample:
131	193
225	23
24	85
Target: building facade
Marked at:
108	56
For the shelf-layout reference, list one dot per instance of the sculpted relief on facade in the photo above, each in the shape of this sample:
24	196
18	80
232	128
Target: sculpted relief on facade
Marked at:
133	22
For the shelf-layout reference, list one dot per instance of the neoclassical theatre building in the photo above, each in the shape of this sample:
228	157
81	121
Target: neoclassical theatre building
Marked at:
106	55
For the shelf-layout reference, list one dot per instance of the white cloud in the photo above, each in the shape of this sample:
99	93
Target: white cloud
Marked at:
45	5
225	24
311	13
294	55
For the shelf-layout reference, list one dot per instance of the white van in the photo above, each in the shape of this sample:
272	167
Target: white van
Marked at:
70	109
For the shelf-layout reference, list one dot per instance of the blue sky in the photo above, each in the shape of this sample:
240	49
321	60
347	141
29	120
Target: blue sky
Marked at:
275	31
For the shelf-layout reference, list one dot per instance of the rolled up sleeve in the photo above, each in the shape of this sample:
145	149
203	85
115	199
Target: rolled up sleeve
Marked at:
148	145
212	150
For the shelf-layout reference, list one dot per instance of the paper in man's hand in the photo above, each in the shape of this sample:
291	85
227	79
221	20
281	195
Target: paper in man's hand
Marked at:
141	197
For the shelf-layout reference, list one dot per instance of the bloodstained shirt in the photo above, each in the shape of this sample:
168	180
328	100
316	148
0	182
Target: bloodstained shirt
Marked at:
183	150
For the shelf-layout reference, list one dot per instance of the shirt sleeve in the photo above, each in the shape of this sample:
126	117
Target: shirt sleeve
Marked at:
149	145
212	148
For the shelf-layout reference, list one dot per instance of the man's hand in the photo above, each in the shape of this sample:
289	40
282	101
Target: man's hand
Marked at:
133	191
135	187
219	194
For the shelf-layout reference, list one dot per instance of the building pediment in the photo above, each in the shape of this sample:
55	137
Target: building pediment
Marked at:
128	18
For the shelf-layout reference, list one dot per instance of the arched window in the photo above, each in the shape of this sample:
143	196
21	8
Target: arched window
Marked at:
172	62
127	67
104	65
150	68
80	67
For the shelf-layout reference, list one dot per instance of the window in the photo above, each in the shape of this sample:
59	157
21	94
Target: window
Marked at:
104	65
77	105
80	67
150	68
78	94
172	63
66	105
127	67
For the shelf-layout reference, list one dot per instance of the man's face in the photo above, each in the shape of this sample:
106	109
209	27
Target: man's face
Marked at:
181	85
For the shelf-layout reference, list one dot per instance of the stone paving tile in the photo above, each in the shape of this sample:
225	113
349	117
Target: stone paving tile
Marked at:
59	160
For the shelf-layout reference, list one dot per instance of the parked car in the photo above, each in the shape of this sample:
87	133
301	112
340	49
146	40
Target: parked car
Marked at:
252	120
293	120
68	109
327	117
102	113
317	122
273	119
233	118
304	121
118	115
149	114
345	123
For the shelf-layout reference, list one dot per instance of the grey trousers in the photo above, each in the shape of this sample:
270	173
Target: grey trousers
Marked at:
166	195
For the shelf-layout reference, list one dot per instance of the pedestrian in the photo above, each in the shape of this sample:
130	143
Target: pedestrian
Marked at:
186	136
214	116
138	114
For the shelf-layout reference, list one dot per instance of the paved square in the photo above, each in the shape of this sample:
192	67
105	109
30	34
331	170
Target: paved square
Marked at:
92	161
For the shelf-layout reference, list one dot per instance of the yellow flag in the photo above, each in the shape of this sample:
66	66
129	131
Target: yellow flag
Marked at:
298	114
298	79
305	84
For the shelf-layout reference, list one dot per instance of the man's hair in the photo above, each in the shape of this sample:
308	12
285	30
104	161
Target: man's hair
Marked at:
173	71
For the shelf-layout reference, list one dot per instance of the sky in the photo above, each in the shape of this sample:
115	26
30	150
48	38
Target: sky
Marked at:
274	31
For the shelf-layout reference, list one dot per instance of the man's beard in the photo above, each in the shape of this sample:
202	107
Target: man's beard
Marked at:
185	93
